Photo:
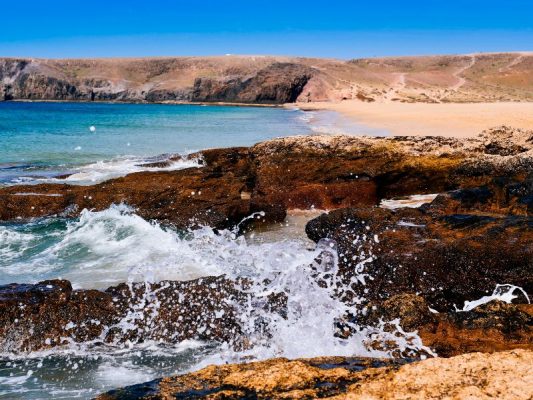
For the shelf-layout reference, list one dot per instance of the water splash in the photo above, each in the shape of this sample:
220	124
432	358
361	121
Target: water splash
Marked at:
293	302
502	292
104	170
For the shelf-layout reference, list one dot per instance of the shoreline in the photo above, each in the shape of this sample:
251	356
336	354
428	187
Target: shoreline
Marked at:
460	120
287	177
179	103
358	118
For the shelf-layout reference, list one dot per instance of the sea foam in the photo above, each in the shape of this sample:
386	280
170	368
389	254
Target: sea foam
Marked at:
102	248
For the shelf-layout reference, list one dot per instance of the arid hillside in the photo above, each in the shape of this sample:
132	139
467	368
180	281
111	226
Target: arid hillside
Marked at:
272	80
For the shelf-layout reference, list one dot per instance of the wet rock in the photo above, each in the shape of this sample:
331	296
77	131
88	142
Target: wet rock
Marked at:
446	259
474	375
494	326
412	311
34	317
501	195
207	196
328	172
202	309
213	309
164	161
51	313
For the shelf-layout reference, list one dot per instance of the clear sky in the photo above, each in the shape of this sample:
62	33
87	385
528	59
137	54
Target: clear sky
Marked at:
327	28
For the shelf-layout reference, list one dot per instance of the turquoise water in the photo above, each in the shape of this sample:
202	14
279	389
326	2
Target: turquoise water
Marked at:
43	140
39	142
98	249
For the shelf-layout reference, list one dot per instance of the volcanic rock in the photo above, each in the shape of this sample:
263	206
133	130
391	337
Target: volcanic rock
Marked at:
446	259
506	375
263	79
494	326
213	309
51	313
325	172
279	83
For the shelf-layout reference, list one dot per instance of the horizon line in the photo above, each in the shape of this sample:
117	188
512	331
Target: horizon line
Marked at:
522	52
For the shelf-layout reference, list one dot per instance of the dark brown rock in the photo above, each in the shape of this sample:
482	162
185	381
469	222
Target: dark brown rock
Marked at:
210	196
501	195
447	259
34	317
494	326
301	172
50	313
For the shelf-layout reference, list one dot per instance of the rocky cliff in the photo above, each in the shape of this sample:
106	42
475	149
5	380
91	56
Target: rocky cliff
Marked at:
271	80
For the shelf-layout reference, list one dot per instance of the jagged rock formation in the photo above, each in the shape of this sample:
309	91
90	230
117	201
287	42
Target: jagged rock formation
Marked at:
506	375
51	314
446	258
271	80
323	172
475	234
494	326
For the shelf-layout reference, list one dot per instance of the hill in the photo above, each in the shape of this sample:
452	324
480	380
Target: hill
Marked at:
490	77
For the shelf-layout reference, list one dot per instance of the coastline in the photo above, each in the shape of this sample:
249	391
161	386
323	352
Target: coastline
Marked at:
168	102
186	291
459	120
358	118
320	120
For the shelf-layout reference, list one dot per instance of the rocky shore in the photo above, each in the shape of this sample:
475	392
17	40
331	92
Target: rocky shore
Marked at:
505	375
421	266
207	309
319	172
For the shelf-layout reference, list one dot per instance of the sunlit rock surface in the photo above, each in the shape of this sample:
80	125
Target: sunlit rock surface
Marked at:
486	77
505	375
322	172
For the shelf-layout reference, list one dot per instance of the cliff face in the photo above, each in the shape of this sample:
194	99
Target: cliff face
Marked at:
272	80
276	83
279	83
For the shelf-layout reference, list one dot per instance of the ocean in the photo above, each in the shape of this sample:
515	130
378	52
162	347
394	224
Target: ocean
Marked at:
41	142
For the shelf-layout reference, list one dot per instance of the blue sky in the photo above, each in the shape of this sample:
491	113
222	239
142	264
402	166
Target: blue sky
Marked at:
341	29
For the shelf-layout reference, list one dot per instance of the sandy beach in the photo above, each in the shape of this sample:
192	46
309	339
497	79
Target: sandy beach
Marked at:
441	119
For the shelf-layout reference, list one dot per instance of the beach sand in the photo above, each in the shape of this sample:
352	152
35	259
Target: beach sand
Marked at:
433	119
